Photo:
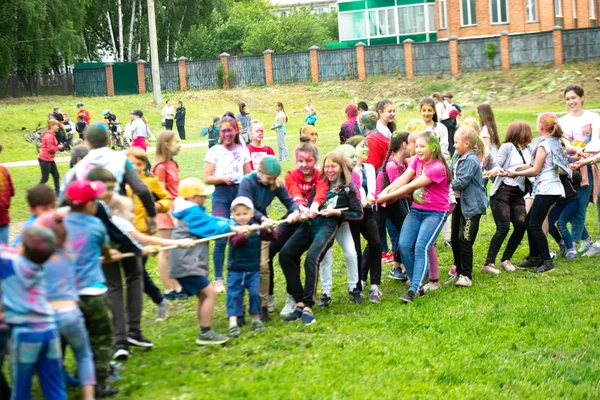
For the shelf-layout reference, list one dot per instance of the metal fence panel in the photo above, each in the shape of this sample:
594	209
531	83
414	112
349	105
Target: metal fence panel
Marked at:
431	58
45	85
385	60
90	82
247	71
472	54
202	74
531	48
581	44
291	67
169	77
339	64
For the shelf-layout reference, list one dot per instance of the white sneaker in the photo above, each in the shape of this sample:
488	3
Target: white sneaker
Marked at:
463	281
490	269
163	310
594	250
431	286
585	245
508	266
290	306
552	254
271	303
219	286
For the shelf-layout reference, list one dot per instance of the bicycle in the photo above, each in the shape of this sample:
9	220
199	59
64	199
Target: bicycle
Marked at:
34	136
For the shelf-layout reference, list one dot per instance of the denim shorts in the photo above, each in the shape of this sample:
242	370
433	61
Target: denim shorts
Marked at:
193	284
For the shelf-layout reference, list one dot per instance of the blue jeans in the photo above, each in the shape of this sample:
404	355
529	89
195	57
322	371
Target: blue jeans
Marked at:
578	229
237	281
560	215
390	230
36	349
71	327
4	234
419	232
221	204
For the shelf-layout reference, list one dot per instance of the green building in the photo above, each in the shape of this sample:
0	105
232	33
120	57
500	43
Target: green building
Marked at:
386	21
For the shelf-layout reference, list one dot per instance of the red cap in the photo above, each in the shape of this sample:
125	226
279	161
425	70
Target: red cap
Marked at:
82	192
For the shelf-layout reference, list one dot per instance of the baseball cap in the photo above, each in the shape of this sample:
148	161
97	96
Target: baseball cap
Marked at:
82	192
191	187
242	200
139	113
80	104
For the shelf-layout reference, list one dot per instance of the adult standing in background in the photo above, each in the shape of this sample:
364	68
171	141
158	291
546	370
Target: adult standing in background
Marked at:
180	120
168	113
244	119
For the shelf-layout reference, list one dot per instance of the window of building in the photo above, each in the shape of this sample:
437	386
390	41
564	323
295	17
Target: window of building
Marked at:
352	25
431	16
382	22
468	15
444	14
532	13
558	8
412	19
592	10
499	10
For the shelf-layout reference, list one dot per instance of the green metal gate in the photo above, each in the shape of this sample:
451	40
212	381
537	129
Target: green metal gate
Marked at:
89	79
125	78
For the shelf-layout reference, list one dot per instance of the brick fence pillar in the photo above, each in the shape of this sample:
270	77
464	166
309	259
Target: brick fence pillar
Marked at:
225	64
314	63
504	51
141	75
181	63
454	63
408	58
268	54
558	46
360	60
110	80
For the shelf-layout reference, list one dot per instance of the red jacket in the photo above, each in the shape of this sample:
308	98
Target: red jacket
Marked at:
378	147
86	113
7	190
301	190
49	146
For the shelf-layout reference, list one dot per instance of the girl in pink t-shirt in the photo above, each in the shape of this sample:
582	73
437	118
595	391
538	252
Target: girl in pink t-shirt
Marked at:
428	179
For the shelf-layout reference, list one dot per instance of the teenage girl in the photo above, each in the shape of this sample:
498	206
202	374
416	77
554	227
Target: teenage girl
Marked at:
387	113
316	236
281	120
430	189
244	119
489	131
258	150
47	153
224	166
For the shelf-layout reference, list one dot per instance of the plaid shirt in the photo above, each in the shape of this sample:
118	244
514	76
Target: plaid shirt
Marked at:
7	190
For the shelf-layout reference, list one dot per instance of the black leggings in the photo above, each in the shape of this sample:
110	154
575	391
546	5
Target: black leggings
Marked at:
282	234
49	167
149	286
395	212
169	124
371	260
538	243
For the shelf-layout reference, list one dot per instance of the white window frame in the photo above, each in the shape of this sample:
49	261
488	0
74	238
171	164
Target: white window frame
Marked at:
500	13
387	16
444	14
535	15
353	12
470	12
426	19
592	9
558	8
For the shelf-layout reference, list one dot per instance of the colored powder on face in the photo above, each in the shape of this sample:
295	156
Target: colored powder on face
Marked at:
369	119
270	165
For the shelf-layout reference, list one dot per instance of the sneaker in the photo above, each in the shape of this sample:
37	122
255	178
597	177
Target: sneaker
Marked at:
385	258
530	262
294	316
355	296
257	326
585	245
139	340
324	301
210	337
452	271
562	248
308	318
463	281
163	310
114	377
375	296
170	295
235	331
264	316
552	254
116	366
241	320
290	306
219	286
122	352
181	295
594	250
105	390
431	286
490	269
271	303
398	274
508	266
572	254
448	244
408	297
452	280
548	265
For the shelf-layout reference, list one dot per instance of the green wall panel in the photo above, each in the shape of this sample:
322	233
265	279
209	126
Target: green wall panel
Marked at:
351	6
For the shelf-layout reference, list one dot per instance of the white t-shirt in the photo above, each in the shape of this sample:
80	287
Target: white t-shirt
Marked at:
442	133
581	129
382	128
493	147
441	111
228	163
516	161
139	128
547	181
168	112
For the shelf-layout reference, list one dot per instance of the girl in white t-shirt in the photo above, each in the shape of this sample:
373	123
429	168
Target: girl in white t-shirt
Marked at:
489	131
387	112
431	118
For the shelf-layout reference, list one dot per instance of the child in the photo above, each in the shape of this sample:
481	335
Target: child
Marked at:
243	269
471	202
377	142
77	154
257	149
212	132
428	110
82	111
35	343
281	120
81	126
48	150
386	125
309	132
41	199
351	126
489	132
7	190
190	266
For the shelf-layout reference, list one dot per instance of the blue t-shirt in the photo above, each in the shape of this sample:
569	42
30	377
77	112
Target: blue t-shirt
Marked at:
60	277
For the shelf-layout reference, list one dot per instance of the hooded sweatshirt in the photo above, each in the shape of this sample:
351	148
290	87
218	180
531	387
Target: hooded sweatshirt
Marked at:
306	192
378	147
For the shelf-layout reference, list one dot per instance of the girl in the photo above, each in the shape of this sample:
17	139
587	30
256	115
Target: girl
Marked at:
489	132
311	113
351	126
225	166
166	170
506	197
377	142
281	120
563	212
548	157
317	236
430	190
168	113
212	132
580	127
368	225
245	119
387	112
431	118
257	149
310	132
47	153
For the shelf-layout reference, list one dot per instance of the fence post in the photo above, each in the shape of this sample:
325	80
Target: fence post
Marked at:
558	45
141	74
504	51
408	58
360	60
225	64
314	63
454	62
181	63
110	80
268	54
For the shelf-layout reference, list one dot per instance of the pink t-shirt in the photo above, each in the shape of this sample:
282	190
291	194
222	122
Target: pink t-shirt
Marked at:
433	197
393	169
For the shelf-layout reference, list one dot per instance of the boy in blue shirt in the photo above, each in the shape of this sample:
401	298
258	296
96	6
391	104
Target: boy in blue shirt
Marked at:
41	199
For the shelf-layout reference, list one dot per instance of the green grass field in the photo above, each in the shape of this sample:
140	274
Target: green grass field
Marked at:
515	335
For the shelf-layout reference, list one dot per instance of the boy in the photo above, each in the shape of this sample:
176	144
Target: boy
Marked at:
244	267
35	343
81	126
190	266
258	150
82	111
41	199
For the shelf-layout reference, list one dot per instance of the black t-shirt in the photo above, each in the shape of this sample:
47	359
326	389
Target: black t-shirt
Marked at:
110	120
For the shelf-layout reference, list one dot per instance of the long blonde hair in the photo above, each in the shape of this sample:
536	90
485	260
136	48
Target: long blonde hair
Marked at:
162	152
346	175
